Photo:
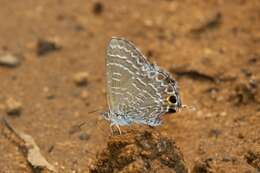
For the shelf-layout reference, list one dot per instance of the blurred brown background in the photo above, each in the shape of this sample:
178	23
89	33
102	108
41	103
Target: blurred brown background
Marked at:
52	69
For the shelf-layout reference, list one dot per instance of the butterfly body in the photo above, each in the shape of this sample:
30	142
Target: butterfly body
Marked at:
137	90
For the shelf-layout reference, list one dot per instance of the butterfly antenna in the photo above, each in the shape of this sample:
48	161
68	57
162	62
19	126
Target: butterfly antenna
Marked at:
98	123
94	111
100	110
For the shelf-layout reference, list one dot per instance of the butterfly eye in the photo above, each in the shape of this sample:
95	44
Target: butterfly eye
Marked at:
172	99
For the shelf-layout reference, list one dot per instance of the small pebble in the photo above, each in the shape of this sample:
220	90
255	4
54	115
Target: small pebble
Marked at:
13	107
98	8
50	148
214	133
148	23
240	136
45	46
208	51
84	95
81	78
9	61
223	114
84	136
227	158
49	95
253	60
78	28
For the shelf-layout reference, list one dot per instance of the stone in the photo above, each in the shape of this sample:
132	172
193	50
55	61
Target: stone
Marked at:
9	60
81	78
13	107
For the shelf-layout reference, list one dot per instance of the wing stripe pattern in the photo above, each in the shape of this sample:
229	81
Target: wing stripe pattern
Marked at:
134	93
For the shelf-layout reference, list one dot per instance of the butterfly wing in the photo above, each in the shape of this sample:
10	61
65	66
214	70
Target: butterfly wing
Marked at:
135	87
121	71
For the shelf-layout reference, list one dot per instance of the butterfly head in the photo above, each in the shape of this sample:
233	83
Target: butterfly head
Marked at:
172	99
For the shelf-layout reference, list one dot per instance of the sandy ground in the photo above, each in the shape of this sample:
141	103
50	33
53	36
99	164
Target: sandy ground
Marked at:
212	48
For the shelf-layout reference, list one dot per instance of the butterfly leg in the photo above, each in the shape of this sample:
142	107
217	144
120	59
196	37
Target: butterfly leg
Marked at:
118	128
111	129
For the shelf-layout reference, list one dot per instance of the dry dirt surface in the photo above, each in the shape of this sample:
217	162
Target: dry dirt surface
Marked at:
52	79
140	151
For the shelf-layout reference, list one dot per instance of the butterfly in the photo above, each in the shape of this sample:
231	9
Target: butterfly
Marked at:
137	91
